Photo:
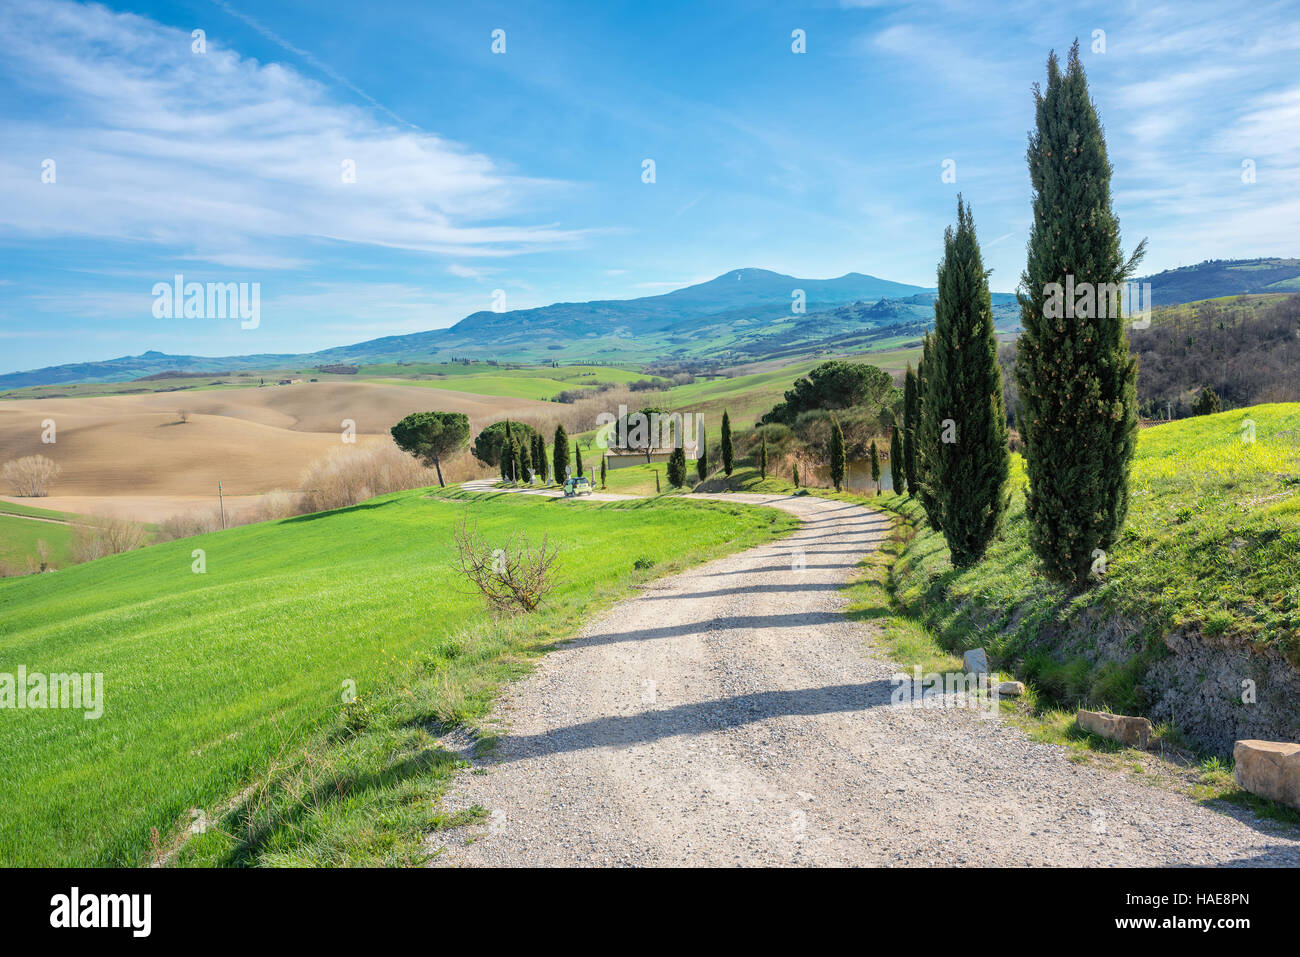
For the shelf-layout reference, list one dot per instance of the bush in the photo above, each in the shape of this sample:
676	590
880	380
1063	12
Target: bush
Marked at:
31	475
188	524
347	475
105	536
515	577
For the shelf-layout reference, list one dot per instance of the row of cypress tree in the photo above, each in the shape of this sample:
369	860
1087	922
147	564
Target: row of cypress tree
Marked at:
1076	378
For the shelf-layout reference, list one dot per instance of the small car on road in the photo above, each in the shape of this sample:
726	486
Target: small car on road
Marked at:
578	485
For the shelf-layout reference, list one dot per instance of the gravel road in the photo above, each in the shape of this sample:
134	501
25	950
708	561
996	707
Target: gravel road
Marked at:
731	715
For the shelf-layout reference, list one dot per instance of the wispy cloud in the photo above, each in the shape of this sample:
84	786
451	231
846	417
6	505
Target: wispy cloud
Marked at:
153	142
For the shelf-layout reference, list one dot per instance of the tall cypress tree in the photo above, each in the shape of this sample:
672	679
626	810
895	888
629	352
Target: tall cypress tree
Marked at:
702	459
1076	377
539	456
727	456
577	451
875	465
837	454
928	427
963	390
911	420
602	471
677	467
525	461
896	469
560	455
762	458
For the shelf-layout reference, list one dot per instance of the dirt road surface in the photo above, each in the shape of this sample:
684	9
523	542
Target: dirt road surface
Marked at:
732	715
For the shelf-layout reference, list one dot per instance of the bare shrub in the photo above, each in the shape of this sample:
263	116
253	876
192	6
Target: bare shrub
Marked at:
187	524
277	504
105	536
31	475
347	475
513	578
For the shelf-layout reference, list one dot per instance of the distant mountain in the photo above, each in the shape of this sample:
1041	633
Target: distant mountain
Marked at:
127	368
1223	277
699	321
742	315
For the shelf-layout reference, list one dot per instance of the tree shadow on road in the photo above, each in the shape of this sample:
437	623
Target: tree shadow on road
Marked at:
621	731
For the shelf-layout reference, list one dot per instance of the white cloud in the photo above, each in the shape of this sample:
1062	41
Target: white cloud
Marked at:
156	143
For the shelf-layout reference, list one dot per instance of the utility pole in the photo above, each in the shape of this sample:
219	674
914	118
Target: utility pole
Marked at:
222	501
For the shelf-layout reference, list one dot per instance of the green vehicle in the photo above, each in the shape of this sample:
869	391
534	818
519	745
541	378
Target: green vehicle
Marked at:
578	485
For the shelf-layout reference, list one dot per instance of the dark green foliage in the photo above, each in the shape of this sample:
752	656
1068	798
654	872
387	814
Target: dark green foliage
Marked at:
525	462
796	474
487	444
431	435
677	467
963	393
911	421
539	458
1076	378
728	458
602	471
837	454
577	452
835	385
762	458
896	471
875	465
927	440
1207	403
702	458
560	455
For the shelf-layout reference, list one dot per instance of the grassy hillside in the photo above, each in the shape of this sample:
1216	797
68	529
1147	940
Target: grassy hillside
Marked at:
1224	277
1210	548
217	683
20	539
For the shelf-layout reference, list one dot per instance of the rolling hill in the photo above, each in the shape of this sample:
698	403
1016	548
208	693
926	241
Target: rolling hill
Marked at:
740	316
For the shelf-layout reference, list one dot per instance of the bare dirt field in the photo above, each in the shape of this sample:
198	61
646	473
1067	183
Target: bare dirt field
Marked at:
133	456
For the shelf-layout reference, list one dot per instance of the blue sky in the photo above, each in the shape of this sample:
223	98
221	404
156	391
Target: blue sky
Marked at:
522	171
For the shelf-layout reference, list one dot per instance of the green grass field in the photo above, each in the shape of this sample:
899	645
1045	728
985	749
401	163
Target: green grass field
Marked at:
224	690
541	382
20	538
1210	545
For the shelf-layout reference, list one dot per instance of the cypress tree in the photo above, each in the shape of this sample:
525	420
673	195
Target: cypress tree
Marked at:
525	462
1076	377
577	451
702	460
727	458
560	455
539	456
796	474
762	458
927	438
837	454
911	420
875	466
896	469
677	467
963	390
602	471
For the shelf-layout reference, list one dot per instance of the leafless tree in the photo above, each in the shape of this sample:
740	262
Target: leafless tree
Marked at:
514	578
31	475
